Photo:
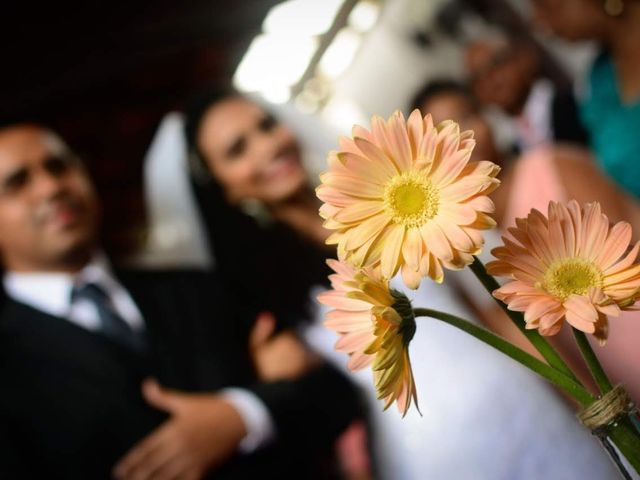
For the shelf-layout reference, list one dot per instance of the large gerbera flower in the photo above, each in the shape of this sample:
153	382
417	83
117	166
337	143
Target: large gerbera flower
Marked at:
570	266
376	325
406	196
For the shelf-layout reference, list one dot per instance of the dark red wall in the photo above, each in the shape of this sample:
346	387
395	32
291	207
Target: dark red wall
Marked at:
103	73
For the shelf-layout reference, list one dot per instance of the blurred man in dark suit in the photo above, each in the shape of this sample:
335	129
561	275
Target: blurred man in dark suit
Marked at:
79	342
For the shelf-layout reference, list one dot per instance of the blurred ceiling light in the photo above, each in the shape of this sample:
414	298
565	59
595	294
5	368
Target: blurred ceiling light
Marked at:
313	95
307	103
301	18
364	16
273	63
340	53
343	113
317	87
276	94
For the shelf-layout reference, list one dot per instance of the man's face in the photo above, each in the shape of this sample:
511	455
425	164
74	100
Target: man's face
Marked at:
501	75
48	209
572	20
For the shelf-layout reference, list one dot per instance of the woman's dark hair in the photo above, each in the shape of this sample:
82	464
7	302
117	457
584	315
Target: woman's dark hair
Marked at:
272	263
441	86
194	114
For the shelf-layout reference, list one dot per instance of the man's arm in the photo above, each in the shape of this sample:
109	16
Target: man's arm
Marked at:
12	465
205	430
314	408
307	399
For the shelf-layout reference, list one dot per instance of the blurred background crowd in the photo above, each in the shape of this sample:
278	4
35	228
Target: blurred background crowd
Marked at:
205	124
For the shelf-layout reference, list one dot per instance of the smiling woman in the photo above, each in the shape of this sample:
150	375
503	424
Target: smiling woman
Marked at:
258	207
242	157
252	155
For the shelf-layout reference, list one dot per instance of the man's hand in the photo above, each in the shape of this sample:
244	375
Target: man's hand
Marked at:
281	356
204	430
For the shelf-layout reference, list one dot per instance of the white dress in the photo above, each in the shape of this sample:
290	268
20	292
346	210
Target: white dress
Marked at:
484	415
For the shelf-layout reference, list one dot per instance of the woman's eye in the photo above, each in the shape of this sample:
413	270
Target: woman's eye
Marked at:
268	123
57	166
14	182
237	149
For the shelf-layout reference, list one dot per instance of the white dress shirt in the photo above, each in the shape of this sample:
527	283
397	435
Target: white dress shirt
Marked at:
535	124
51	293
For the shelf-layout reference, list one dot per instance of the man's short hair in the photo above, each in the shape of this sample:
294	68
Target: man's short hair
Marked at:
53	141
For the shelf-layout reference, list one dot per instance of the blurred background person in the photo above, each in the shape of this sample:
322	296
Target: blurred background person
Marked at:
610	107
552	171
506	72
446	98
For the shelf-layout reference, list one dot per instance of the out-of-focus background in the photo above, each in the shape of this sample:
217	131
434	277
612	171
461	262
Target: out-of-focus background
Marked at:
105	73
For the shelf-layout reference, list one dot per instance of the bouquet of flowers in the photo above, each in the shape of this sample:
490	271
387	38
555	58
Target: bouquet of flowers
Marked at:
404	198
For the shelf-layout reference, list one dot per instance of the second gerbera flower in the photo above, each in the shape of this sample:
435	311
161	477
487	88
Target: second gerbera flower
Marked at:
405	196
570	265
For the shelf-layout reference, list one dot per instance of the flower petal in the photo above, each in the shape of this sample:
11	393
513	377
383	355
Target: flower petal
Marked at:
359	211
617	243
339	301
389	262
365	230
436	241
581	313
376	155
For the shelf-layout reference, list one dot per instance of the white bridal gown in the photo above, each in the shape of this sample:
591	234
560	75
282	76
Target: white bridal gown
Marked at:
484	417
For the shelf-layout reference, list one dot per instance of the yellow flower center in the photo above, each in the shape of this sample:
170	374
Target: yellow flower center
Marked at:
571	276
411	199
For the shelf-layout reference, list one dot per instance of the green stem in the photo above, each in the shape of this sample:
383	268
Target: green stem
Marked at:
623	434
598	373
539	343
568	384
627	438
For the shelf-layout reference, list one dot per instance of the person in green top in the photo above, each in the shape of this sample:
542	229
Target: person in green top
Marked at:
614	123
610	108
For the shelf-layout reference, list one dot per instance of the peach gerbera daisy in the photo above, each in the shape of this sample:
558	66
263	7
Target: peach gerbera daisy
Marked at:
570	266
376	325
405	196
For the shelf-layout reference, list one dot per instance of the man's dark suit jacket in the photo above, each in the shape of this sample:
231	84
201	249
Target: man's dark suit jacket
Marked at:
70	401
565	119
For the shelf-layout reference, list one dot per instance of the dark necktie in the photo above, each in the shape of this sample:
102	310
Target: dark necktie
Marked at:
112	324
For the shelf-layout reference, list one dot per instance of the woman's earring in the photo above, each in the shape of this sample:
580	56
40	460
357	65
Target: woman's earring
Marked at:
614	7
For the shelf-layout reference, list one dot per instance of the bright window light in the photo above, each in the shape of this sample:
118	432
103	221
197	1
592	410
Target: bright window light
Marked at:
276	94
364	16
340	53
343	113
301	18
272	63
